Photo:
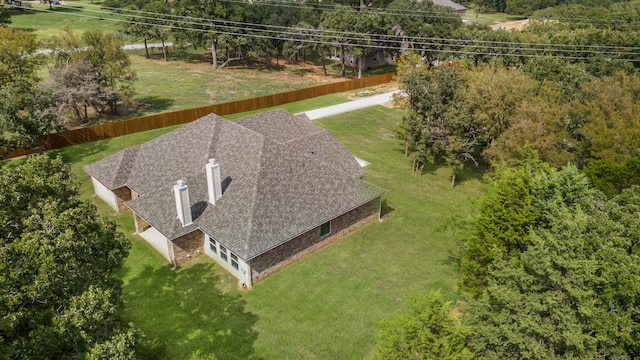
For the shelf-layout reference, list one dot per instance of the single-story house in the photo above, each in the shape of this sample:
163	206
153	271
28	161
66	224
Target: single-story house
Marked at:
458	8
253	194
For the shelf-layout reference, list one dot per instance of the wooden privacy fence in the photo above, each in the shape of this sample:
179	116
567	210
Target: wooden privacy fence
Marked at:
125	127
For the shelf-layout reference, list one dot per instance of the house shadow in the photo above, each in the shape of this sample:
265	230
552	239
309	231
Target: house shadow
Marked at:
185	312
385	208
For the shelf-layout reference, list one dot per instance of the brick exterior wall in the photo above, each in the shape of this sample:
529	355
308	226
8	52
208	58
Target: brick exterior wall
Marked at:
188	246
123	194
275	259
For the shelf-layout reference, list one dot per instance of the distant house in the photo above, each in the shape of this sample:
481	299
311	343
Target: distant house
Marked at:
279	187
461	10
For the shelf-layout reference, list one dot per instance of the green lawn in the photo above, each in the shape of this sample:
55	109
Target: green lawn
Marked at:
188	80
80	15
324	306
489	18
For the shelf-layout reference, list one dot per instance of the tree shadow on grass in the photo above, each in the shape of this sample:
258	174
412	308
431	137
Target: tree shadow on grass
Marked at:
84	155
190	56
152	103
185	313
302	71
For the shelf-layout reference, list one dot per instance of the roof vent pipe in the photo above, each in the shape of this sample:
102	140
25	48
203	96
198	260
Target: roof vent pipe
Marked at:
214	183
183	203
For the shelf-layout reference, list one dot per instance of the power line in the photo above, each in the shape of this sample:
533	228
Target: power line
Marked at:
369	45
382	37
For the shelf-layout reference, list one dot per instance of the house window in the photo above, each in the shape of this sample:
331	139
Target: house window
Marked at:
223	253
212	246
325	229
234	261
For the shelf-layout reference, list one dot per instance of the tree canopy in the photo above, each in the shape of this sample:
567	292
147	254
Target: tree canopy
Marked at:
561	293
59	297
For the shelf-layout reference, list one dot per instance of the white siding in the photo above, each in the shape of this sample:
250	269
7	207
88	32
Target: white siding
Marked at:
243	273
157	241
105	194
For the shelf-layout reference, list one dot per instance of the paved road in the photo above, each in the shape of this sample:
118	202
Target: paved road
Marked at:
125	47
149	45
350	106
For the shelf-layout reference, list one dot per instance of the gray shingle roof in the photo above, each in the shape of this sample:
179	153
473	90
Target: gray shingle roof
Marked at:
451	4
282	176
300	134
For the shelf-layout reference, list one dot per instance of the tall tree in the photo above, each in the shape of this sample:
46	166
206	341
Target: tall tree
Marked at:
543	122
207	31
606	117
26	114
76	87
502	227
151	26
437	126
104	52
564	295
110	64
58	292
339	24
18	57
426	21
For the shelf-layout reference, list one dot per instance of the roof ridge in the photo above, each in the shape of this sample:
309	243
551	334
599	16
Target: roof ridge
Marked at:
320	130
254	195
123	170
213	139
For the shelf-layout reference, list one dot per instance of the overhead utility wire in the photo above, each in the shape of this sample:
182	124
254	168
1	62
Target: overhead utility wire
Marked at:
374	46
406	13
417	13
381	37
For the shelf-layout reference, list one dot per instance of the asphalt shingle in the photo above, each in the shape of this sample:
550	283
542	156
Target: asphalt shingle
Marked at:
282	176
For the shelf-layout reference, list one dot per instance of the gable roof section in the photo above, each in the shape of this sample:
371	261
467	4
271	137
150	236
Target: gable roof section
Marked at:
297	132
273	189
448	3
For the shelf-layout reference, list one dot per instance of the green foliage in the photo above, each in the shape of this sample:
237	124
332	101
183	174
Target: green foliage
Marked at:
18	58
422	24
5	16
564	295
566	76
150	28
427	331
26	114
104	52
205	35
611	177
437	126
353	31
110	66
58	294
605	115
502	228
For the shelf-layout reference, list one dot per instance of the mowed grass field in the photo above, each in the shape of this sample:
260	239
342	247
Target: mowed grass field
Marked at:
79	15
326	305
188	80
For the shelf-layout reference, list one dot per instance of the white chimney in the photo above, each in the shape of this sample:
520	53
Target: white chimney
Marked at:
183	203
214	185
